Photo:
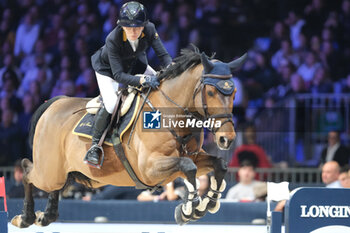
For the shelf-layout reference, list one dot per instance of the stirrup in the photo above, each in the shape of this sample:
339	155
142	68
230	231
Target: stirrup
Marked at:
102	157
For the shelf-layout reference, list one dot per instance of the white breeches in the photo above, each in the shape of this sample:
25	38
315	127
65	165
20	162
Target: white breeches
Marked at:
109	88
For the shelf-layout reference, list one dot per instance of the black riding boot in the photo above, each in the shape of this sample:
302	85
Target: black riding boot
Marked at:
102	119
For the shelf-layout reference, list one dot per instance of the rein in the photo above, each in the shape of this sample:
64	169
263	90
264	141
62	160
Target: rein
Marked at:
145	100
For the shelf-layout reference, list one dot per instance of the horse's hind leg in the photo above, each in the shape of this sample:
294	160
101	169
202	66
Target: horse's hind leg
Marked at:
51	212
28	217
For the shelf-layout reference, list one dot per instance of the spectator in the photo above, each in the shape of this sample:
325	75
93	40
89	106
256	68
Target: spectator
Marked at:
284	55
6	27
332	60
87	86
26	35
188	34
335	151
279	33
344	178
24	117
10	138
303	48
33	73
45	81
321	82
51	32
346	86
328	36
15	188
9	64
169	34
103	7
30	61
204	184
244	190
308	68
316	15
171	192
65	75
67	88
9	88
344	22
111	192
315	45
35	92
296	24
210	16
86	31
330	174
250	151
81	47
6	48
110	22
297	84
286	72
263	74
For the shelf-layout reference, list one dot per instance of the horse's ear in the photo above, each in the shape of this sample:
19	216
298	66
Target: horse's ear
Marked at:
208	65
238	62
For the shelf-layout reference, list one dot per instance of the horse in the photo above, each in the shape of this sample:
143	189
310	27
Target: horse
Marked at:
194	84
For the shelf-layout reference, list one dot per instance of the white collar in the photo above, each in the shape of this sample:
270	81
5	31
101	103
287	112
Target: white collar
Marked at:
134	44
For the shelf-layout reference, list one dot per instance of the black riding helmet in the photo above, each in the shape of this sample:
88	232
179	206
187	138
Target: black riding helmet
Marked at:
132	14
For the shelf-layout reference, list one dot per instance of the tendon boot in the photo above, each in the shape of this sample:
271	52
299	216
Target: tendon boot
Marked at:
102	119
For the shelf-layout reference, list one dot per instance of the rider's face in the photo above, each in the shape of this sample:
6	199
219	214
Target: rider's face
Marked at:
132	33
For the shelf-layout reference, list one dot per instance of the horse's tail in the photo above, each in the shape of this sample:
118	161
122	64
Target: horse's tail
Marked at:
36	116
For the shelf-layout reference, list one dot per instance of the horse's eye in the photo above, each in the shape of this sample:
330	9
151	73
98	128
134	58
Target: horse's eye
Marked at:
210	93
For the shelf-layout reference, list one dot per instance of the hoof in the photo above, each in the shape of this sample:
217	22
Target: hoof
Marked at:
43	219
179	216
198	214
214	209
39	218
18	222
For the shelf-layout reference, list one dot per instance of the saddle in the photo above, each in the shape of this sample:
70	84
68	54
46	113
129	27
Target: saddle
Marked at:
127	99
128	103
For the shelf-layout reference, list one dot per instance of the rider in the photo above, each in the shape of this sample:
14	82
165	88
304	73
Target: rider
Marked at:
119	60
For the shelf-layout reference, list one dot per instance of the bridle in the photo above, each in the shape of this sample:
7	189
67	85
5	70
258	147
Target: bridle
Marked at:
183	140
201	88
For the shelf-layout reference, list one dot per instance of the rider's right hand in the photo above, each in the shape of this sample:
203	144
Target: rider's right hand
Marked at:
150	81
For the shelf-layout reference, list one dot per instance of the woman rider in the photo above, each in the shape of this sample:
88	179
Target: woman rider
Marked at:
119	60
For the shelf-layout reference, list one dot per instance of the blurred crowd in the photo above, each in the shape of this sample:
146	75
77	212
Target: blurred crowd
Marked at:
293	47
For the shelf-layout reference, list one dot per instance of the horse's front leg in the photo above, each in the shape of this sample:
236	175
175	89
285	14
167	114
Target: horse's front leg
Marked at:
184	212
217	184
210	201
163	167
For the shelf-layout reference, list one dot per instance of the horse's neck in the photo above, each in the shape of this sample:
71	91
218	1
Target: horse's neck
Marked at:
181	89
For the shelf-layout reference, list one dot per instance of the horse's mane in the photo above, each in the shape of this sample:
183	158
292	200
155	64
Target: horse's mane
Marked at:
187	60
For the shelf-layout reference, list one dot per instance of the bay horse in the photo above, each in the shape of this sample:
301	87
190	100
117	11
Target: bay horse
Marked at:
193	83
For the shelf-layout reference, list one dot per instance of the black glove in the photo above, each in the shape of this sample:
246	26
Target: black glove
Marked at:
150	81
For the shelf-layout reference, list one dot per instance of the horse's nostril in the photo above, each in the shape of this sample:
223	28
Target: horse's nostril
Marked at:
222	140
